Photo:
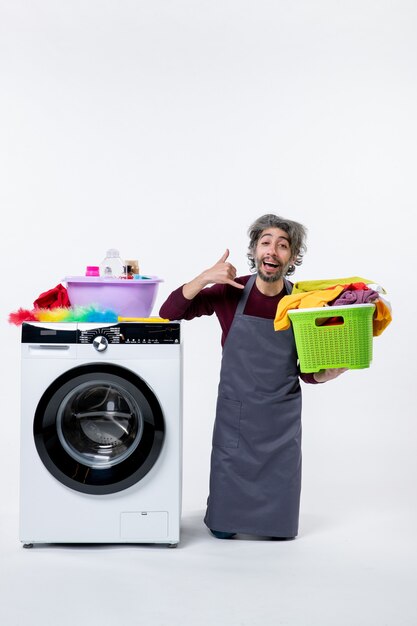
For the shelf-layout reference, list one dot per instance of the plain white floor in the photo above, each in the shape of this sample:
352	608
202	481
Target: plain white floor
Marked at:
350	566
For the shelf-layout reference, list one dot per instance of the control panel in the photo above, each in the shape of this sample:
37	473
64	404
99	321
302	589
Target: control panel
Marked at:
131	333
126	333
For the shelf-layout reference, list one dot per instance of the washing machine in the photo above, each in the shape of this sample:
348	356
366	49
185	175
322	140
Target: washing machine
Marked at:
101	433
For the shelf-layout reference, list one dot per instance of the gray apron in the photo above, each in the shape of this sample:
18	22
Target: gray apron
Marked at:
255	479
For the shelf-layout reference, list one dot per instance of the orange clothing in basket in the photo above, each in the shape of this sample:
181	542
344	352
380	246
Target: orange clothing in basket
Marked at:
382	317
304	300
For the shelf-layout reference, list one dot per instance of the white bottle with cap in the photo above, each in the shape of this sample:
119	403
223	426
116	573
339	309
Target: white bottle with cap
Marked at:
112	265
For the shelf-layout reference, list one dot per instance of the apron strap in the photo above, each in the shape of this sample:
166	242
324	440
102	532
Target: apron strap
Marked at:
248	287
288	286
245	295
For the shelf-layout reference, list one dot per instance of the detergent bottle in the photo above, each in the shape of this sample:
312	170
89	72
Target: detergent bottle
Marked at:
112	265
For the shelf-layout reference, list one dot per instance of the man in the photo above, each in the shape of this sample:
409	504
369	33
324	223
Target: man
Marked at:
255	478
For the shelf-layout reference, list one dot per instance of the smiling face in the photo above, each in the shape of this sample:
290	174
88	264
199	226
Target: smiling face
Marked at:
273	255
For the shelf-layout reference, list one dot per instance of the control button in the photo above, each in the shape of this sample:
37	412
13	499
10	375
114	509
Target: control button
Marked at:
100	343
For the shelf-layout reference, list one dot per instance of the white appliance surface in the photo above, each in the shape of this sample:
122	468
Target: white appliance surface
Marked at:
146	512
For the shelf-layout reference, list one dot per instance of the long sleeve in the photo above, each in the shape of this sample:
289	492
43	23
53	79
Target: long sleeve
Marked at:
219	299
177	307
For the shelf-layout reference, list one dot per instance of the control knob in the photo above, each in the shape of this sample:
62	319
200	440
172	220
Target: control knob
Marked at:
100	343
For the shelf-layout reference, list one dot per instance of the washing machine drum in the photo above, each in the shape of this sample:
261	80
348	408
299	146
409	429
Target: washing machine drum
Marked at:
99	428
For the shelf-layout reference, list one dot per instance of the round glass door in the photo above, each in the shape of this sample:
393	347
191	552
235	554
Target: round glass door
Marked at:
99	428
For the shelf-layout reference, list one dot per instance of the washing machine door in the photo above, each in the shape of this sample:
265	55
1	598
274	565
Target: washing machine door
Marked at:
99	428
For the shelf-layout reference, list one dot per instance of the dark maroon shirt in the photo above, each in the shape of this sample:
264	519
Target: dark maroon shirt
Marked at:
222	300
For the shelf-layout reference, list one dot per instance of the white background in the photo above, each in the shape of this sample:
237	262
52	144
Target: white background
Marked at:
164	128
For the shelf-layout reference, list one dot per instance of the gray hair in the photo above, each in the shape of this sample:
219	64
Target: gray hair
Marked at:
296	232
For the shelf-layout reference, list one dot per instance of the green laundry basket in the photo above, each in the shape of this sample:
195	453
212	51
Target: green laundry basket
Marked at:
347	343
